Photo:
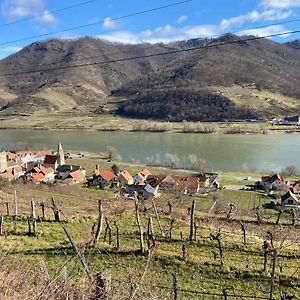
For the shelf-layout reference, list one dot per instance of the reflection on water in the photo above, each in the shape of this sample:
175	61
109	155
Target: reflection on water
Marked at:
223	152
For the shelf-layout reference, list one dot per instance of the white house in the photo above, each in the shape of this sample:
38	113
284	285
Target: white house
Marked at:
290	201
49	174
274	182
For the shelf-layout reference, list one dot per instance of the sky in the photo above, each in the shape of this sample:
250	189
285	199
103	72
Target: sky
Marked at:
25	21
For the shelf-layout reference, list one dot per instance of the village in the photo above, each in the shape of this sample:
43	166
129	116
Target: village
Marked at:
52	168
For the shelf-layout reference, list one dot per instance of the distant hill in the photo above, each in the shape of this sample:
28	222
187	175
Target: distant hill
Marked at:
293	44
258	78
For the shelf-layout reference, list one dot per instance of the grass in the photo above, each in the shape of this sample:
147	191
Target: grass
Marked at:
85	120
242	270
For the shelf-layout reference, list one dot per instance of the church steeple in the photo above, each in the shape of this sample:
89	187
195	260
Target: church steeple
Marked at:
60	155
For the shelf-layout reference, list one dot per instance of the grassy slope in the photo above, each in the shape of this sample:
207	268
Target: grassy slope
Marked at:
242	269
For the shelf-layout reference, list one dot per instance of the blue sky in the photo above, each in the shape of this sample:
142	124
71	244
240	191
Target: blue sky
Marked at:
197	18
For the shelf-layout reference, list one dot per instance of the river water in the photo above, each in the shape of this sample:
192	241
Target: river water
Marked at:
221	151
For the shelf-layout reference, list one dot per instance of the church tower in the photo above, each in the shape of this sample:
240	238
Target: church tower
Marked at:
60	155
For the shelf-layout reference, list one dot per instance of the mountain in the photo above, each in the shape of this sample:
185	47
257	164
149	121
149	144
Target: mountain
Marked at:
293	44
246	79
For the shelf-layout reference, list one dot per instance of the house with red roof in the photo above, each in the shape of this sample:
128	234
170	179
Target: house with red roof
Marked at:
141	176
273	182
74	177
102	179
48	174
35	177
9	176
125	178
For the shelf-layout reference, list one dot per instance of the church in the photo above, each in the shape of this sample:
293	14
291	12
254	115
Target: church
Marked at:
54	161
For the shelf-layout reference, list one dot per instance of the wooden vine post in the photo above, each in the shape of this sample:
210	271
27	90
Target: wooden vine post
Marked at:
175	288
157	218
43	210
138	221
33	217
16	203
272	287
265	253
192	220
1	225
103	286
55	210
79	254
243	227
100	222
150	233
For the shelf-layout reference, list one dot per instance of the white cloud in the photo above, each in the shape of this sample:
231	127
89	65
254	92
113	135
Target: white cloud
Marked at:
164	34
280	4
11	49
15	9
5	51
110	24
181	19
275	29
255	16
47	18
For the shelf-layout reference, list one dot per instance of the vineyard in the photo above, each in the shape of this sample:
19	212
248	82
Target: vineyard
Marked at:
226	245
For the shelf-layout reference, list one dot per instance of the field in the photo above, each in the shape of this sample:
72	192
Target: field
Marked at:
215	262
83	119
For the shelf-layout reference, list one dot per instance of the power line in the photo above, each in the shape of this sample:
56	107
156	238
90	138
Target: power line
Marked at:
159	46
95	23
47	13
145	47
253	38
268	25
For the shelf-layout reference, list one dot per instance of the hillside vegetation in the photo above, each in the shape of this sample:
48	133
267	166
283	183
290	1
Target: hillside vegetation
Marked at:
197	85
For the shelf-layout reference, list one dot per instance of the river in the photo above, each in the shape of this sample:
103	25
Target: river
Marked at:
222	152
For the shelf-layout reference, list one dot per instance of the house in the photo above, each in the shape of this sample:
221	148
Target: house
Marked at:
187	185
104	178
48	174
63	171
15	169
141	176
204	180
9	176
54	161
3	161
274	182
37	156
28	158
296	187
168	183
74	177
213	182
35	177
125	178
295	120
144	190
51	161
150	191
290	201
